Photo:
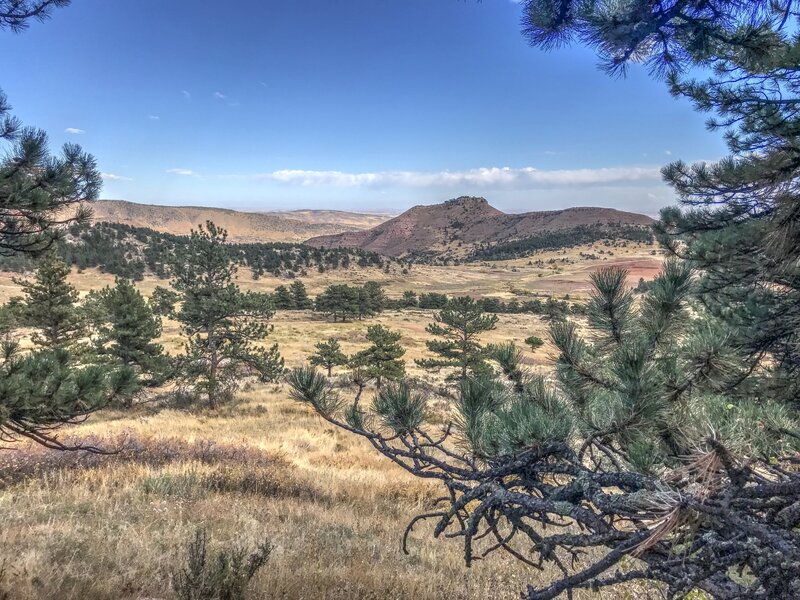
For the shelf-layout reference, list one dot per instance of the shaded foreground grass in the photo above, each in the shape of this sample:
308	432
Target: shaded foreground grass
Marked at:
78	526
85	526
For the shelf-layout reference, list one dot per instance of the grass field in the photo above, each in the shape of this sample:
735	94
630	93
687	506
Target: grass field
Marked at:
86	527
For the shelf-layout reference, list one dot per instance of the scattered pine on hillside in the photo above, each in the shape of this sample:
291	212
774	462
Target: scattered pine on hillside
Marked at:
566	238
131	252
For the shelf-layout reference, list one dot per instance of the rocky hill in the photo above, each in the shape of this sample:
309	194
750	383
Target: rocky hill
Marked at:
243	227
457	227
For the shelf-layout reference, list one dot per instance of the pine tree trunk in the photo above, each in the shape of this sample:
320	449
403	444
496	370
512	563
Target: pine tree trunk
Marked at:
212	390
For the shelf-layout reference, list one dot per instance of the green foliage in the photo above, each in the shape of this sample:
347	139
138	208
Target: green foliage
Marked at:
383	359
43	390
476	406
371	299
433	300
410	299
651	379
459	325
224	576
132	252
509	358
565	238
343	302
39	192
222	323
50	305
534	342
162	301
300	297
127	332
295	297
309	386
535	417
399	408
611	303
338	302
282	298
328	354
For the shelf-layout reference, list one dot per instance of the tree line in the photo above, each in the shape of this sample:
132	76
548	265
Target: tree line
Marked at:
132	252
343	302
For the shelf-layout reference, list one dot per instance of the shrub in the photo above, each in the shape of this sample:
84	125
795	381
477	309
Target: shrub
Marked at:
223	577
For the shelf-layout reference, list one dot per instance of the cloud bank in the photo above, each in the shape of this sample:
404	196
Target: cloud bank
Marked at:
487	177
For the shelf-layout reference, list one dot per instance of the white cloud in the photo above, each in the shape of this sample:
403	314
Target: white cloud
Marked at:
153	117
74	130
668	152
184	172
113	177
186	95
219	96
487	177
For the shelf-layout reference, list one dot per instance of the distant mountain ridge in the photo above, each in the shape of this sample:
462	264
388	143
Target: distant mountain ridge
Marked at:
458	226
244	227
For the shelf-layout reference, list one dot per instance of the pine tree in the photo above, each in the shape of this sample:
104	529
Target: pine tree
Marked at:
17	14
371	299
221	322
39	193
128	333
282	298
43	390
300	296
460	326
162	301
534	342
409	299
738	224
339	302
50	305
433	300
383	359
328	354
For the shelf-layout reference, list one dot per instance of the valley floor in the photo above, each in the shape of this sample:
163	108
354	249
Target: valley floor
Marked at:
92	527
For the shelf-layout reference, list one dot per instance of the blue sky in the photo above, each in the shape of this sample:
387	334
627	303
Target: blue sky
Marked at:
354	105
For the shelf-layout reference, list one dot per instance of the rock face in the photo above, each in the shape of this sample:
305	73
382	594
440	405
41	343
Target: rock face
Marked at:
293	226
458	225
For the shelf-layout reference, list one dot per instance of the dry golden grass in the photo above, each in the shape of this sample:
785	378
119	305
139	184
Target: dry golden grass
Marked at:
108	528
334	509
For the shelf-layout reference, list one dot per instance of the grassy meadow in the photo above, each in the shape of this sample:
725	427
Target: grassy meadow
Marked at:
83	526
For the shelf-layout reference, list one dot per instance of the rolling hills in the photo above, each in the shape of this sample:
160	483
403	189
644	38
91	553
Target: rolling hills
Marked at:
460	226
243	227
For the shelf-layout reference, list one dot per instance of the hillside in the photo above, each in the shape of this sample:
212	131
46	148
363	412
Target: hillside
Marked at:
243	227
461	226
